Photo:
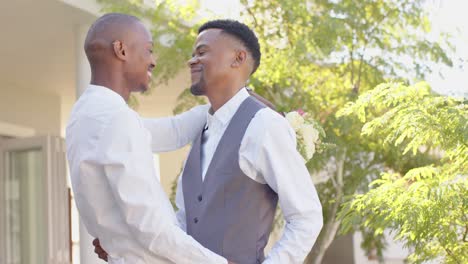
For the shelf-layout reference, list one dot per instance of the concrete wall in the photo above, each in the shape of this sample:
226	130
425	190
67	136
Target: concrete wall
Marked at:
33	109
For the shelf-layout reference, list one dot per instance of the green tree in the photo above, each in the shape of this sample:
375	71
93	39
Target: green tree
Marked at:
426	207
318	55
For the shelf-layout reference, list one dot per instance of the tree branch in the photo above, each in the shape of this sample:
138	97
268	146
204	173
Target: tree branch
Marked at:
351	56
256	25
357	86
331	227
450	253
466	233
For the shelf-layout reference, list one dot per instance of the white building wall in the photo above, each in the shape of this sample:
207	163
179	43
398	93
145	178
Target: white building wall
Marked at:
31	109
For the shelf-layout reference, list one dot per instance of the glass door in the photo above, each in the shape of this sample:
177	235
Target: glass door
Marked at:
34	201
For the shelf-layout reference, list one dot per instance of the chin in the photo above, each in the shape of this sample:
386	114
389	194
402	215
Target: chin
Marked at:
143	88
197	89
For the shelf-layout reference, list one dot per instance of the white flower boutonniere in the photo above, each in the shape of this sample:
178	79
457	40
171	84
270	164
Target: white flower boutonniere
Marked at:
308	133
295	120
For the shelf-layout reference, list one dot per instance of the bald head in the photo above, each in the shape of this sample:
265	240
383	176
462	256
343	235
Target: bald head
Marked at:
119	49
106	30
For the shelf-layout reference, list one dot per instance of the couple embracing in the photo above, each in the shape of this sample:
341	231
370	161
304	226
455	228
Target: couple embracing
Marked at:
242	163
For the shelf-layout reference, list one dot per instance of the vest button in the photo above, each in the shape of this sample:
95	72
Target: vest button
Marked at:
200	198
195	220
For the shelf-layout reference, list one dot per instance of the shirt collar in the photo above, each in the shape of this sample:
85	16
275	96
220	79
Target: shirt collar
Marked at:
227	111
105	92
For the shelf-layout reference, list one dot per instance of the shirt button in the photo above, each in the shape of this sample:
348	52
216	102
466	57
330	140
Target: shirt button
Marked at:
200	198
195	220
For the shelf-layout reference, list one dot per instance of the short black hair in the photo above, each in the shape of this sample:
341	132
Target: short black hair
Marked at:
240	31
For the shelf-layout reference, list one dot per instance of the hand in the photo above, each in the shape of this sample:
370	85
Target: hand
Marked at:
263	100
102	254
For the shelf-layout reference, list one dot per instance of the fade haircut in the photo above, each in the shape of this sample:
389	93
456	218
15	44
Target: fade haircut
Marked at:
241	32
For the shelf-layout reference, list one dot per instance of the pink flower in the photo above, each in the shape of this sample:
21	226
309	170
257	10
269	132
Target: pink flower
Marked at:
301	112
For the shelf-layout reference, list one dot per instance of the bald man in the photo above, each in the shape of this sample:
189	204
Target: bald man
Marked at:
109	150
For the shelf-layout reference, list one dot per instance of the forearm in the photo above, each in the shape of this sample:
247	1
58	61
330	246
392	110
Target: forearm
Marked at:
285	172
176	245
171	133
145	208
147	214
297	240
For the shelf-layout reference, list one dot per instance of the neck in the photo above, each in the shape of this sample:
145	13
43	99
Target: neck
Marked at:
111	81
222	96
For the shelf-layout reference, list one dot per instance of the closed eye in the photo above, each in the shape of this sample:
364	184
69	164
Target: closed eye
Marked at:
198	53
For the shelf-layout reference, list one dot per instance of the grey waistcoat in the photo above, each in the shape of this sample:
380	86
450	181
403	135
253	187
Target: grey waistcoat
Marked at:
228	212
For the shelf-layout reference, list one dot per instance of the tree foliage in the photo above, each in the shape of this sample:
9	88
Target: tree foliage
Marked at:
426	207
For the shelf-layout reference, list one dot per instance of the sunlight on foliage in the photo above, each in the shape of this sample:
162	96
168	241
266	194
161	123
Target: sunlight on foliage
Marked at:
426	207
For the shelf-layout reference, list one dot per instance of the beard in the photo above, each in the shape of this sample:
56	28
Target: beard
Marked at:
198	88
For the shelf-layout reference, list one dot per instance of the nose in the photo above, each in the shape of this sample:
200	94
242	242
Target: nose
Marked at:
194	60
153	62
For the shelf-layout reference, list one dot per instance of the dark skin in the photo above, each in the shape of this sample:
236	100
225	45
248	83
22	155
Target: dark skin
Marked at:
220	66
119	50
102	254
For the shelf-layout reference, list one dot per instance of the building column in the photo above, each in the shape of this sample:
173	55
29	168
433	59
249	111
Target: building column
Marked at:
83	77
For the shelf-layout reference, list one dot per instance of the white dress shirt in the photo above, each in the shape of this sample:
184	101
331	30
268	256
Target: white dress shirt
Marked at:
117	189
268	155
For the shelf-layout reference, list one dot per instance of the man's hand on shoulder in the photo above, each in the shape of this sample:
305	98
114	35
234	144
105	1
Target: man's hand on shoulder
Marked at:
263	100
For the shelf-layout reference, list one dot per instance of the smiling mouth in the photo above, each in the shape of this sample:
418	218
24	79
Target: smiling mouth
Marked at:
195	69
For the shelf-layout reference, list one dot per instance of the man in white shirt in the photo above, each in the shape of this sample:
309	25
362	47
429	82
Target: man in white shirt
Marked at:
117	190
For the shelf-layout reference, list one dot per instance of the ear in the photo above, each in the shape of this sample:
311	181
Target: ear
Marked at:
241	58
120	50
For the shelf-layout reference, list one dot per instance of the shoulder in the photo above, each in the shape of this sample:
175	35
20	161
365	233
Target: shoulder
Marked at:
269	127
122	121
124	132
267	121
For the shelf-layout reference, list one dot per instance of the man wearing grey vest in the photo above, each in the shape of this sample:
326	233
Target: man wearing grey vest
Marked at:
244	161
